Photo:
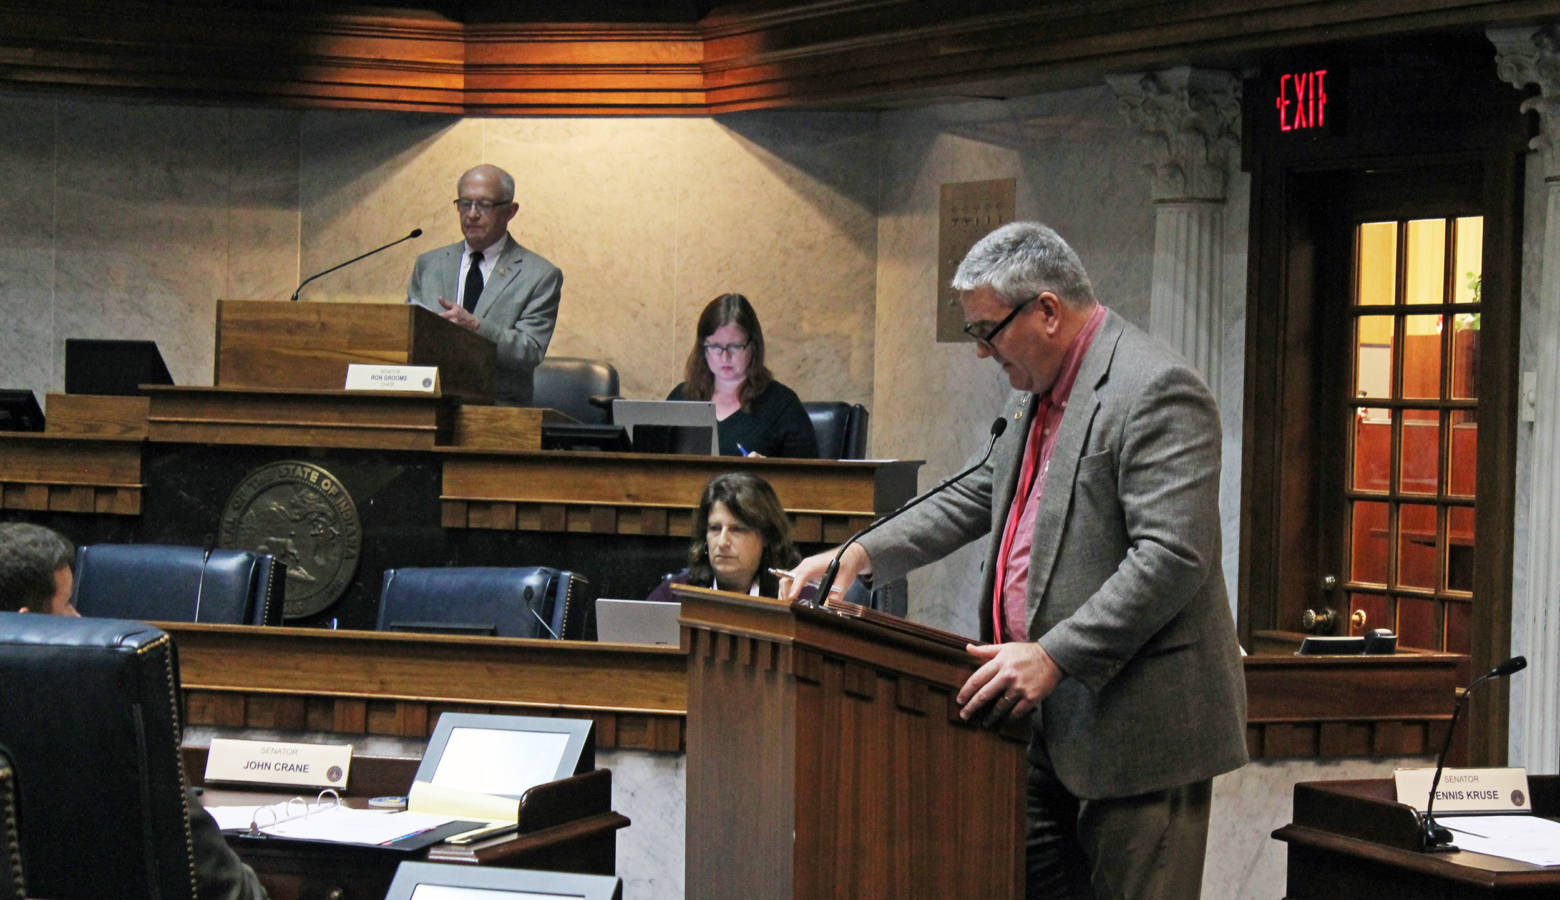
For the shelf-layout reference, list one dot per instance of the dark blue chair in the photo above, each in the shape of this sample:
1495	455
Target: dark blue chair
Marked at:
92	722
582	389
12	884
841	428
168	583
525	602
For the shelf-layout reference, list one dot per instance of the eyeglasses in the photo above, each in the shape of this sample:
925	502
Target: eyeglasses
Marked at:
973	329
726	351
482	206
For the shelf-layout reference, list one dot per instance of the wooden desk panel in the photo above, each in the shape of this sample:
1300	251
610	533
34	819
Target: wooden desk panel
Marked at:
359	682
1352	839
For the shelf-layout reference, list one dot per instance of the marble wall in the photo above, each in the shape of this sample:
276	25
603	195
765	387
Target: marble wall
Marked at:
1077	168
131	220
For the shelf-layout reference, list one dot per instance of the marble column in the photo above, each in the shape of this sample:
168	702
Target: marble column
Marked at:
1189	126
1528	56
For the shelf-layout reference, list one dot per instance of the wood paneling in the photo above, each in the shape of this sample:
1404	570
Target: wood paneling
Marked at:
739	56
299	418
48	472
397	684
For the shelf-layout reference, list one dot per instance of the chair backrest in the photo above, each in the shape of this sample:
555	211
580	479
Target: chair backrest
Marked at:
567	384
90	716
168	583
528	602
841	428
12	885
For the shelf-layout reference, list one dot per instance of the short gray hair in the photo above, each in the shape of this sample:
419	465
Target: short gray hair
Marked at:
506	181
29	556
1021	260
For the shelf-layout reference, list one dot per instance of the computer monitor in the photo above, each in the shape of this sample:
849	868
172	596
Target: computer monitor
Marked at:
116	367
669	426
19	410
505	755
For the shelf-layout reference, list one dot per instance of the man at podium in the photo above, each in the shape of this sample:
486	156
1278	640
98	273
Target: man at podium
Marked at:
492	285
1102	598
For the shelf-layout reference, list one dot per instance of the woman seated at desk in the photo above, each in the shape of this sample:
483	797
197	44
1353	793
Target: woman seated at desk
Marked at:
740	532
758	416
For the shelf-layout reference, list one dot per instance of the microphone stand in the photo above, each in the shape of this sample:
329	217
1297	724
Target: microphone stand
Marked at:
416	232
1434	838
826	583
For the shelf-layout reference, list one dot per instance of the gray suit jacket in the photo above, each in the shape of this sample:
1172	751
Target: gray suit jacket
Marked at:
518	308
1126	591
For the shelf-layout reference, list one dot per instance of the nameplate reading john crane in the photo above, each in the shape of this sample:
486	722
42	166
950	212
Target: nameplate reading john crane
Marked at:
301	514
278	762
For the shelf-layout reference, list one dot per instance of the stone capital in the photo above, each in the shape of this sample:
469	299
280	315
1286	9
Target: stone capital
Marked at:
1189	126
1531	56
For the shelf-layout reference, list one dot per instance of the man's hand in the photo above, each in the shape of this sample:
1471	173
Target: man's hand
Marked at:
456	313
854	563
1011	682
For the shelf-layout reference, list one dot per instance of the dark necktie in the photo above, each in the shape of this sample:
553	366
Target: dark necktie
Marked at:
473	282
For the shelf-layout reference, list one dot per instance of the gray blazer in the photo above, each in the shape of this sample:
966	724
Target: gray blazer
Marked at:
518	308
1126	591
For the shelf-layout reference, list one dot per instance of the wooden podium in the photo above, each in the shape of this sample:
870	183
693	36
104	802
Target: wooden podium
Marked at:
1353	839
268	344
826	759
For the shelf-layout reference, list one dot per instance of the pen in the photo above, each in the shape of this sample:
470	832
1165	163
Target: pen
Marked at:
742	450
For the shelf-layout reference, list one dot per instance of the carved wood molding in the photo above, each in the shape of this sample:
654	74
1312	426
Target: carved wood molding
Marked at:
739	56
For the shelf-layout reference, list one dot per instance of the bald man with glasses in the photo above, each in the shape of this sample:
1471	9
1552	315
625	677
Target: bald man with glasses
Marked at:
492	285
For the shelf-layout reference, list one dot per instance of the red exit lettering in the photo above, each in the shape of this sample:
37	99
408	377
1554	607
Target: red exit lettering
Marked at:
1302	100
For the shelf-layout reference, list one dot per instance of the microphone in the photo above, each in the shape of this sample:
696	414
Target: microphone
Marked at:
416	232
1434	838
827	581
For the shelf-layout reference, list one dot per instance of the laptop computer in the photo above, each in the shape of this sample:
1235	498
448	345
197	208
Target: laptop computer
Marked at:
637	622
669	426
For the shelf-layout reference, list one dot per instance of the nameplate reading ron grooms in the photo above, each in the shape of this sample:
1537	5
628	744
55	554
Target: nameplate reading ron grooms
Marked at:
418	379
277	762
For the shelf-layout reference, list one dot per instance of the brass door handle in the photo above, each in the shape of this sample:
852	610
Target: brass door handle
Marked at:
1321	621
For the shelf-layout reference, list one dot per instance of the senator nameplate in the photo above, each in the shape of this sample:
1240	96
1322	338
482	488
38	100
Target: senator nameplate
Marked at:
278	762
417	379
1466	791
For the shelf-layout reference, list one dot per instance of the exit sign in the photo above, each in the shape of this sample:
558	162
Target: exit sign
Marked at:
1302	101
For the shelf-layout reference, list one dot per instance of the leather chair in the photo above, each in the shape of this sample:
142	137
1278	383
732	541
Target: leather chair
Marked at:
91	717
167	583
12	886
582	389
841	428
528	602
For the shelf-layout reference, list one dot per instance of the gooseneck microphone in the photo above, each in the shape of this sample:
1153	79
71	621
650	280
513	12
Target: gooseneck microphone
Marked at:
1434	838
827	581
416	232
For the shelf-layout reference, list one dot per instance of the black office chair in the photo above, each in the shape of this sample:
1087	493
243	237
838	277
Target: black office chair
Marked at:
582	389
841	428
12	884
91	718
167	583
526	602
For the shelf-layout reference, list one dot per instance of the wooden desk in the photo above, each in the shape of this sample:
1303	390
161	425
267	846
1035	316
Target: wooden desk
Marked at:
1352	839
565	826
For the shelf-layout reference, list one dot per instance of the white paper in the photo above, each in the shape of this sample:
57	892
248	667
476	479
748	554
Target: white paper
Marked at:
231	818
496	761
355	826
1528	839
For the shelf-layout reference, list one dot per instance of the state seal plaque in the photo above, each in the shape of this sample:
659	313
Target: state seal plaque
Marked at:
301	514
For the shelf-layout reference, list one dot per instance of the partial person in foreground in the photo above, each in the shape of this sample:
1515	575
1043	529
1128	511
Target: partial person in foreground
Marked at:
740	532
1102	598
757	415
35	575
490	284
